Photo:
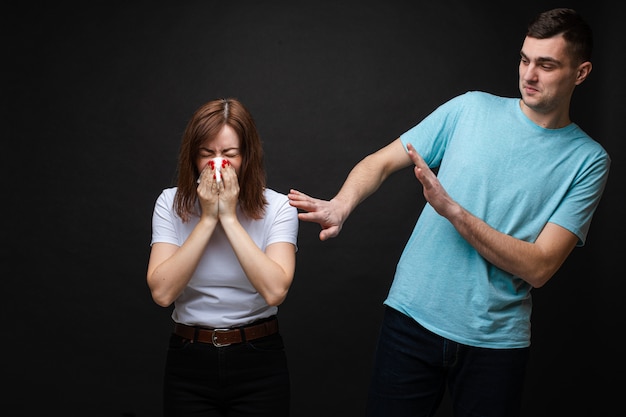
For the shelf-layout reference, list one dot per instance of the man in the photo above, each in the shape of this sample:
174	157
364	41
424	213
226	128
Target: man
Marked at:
517	185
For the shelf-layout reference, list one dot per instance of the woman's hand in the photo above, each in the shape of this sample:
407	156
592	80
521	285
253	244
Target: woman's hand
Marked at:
208	193
228	193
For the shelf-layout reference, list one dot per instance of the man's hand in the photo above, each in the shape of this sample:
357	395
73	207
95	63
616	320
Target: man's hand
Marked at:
434	192
325	213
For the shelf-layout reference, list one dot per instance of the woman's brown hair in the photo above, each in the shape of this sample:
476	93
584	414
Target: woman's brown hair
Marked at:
206	123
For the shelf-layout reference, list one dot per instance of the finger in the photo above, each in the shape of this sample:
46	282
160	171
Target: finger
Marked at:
415	156
302	201
202	175
297	195
303	205
329	233
228	173
311	216
421	176
215	185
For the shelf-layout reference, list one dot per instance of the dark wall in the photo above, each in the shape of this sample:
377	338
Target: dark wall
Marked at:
95	99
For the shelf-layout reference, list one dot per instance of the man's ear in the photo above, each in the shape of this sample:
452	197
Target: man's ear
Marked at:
583	72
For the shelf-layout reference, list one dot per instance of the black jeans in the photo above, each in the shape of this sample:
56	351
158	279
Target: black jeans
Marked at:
244	379
413	366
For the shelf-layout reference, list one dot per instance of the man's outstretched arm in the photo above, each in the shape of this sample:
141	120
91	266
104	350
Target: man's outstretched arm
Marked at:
362	181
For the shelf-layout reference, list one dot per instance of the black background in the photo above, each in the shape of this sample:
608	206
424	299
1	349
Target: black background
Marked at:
95	99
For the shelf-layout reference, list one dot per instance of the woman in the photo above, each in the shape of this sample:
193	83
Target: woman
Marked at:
223	251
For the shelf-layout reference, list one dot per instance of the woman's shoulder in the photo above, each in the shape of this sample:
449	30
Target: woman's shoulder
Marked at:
168	193
271	194
166	197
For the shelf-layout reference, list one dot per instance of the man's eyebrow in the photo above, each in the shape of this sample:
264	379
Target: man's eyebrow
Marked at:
542	59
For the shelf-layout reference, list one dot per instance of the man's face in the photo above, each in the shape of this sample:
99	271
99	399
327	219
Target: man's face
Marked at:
547	75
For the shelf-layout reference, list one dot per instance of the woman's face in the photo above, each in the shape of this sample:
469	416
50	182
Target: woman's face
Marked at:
224	145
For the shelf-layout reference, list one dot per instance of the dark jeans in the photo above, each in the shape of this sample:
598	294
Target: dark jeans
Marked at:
244	379
413	366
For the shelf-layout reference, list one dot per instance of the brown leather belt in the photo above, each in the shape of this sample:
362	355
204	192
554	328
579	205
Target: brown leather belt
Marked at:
225	337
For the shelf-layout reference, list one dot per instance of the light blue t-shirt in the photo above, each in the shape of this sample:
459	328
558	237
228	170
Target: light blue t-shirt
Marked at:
516	176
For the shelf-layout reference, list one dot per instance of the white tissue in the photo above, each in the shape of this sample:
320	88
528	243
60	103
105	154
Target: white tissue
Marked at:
217	163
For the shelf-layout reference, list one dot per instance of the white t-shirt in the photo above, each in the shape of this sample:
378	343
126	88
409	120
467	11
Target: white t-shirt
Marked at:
219	295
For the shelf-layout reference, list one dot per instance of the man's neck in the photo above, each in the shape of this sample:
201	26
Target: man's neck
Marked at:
548	120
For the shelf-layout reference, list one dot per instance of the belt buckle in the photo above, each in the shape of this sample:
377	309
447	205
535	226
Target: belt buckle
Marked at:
214	337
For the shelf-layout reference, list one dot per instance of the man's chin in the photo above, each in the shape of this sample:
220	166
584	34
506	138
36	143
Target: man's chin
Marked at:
530	101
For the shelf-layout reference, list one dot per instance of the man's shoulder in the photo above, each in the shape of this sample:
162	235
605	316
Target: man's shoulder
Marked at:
480	101
484	96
